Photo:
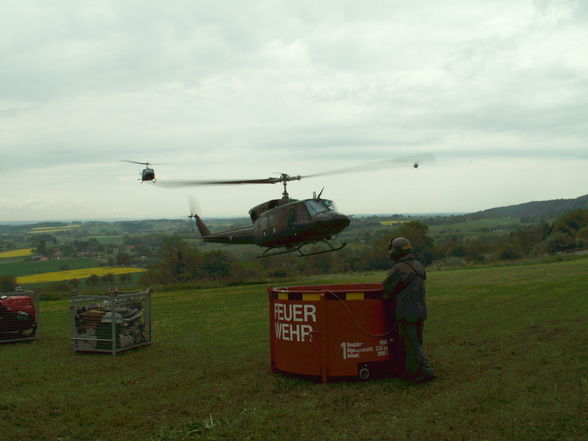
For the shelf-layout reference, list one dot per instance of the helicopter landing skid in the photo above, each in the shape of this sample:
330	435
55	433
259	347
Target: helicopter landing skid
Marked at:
330	250
300	253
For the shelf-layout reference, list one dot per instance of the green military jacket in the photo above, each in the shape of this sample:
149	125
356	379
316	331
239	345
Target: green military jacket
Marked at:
406	284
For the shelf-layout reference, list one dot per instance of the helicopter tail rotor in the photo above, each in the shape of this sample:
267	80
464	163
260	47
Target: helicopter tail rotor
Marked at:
194	208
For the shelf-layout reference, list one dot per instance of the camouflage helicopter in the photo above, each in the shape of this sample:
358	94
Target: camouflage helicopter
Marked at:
287	225
148	174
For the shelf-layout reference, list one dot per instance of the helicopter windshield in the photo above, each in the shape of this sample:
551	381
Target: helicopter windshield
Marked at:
315	207
330	204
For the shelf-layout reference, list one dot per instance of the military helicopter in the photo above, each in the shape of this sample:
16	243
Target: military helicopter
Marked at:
284	225
287	225
148	174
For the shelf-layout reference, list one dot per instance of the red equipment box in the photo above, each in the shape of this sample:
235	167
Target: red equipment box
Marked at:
331	330
18	316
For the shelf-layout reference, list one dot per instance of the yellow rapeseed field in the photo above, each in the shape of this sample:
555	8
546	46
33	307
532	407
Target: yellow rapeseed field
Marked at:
23	252
393	222
52	229
82	273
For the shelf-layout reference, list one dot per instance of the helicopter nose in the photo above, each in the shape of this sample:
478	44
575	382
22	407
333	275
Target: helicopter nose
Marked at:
339	222
331	222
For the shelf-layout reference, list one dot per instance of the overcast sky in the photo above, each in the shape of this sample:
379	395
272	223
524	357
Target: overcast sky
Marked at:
496	90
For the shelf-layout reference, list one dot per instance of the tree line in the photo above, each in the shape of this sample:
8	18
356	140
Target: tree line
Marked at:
180	263
567	233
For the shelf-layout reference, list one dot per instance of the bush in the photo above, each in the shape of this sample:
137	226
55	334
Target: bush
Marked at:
59	288
571	222
417	233
247	271
217	265
559	242
93	280
180	264
450	262
507	251
582	237
539	249
7	283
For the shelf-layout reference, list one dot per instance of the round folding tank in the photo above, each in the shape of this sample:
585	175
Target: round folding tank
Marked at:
330	330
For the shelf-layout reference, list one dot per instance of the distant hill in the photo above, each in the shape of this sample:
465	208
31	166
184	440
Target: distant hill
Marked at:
537	209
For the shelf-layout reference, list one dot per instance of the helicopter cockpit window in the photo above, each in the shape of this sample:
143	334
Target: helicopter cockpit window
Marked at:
330	204
315	207
263	221
301	213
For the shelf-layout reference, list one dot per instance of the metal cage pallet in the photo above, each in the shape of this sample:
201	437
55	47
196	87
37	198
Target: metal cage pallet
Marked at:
111	323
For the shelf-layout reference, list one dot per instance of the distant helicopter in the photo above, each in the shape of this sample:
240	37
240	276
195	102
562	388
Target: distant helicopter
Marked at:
148	174
287	225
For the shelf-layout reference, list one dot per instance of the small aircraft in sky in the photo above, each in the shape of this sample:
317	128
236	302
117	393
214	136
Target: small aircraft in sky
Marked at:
148	174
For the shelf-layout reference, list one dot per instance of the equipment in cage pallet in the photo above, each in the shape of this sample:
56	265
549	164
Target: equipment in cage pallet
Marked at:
332	330
19	316
111	323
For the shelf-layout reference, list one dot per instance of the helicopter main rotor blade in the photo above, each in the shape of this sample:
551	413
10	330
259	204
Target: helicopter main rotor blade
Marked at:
189	183
133	162
379	165
138	162
413	160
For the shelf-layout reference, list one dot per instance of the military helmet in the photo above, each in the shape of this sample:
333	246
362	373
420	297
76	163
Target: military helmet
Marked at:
399	247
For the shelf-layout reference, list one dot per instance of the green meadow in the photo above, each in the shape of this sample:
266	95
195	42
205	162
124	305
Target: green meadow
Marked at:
25	268
509	344
477	229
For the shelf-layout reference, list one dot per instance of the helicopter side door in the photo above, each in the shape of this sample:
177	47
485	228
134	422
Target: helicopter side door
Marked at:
298	221
269	228
267	221
298	213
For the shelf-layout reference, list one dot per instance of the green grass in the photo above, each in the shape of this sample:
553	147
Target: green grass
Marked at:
24	268
478	224
477	229
508	343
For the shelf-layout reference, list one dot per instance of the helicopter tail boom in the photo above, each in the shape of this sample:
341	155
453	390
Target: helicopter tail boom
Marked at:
237	236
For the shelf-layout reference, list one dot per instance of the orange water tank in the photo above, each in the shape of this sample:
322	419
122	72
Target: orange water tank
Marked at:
331	330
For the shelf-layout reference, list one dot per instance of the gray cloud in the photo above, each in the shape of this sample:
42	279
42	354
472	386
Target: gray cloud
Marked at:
225	87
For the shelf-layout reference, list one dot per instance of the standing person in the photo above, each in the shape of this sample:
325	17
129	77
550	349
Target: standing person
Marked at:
406	284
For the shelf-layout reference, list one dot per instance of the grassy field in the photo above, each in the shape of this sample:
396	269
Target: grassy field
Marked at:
23	252
81	273
25	268
477	229
396	223
508	343
39	230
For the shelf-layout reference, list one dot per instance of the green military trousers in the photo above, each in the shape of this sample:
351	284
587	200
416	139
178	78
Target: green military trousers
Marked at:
416	365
